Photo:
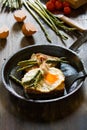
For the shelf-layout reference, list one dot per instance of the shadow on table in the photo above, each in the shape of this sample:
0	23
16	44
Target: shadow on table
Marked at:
47	112
2	43
26	41
17	26
76	12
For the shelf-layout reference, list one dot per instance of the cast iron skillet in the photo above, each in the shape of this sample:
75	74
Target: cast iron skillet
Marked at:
75	66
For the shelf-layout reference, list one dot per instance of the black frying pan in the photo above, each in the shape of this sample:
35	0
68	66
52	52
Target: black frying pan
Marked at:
75	66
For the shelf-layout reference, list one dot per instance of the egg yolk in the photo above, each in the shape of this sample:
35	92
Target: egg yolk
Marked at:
51	78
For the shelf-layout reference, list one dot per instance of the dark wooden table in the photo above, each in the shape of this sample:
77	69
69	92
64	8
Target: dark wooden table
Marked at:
68	114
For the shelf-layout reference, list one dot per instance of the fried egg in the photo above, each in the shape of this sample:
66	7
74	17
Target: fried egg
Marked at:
53	80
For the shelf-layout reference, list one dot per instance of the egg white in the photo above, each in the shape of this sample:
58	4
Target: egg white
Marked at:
44	86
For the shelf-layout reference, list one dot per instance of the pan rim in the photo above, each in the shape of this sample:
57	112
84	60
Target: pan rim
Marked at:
38	100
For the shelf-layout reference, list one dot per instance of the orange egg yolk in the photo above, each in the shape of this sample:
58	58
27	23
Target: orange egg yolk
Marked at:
51	78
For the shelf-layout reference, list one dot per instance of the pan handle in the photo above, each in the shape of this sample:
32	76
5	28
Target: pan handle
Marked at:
82	39
69	80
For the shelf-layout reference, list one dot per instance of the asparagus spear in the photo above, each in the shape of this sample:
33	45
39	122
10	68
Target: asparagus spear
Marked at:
34	81
27	62
11	4
59	60
15	79
20	3
25	67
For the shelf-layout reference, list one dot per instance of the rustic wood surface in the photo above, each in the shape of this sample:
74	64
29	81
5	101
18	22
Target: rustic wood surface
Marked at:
69	114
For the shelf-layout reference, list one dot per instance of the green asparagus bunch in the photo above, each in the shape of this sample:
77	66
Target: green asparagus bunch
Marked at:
54	23
11	4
